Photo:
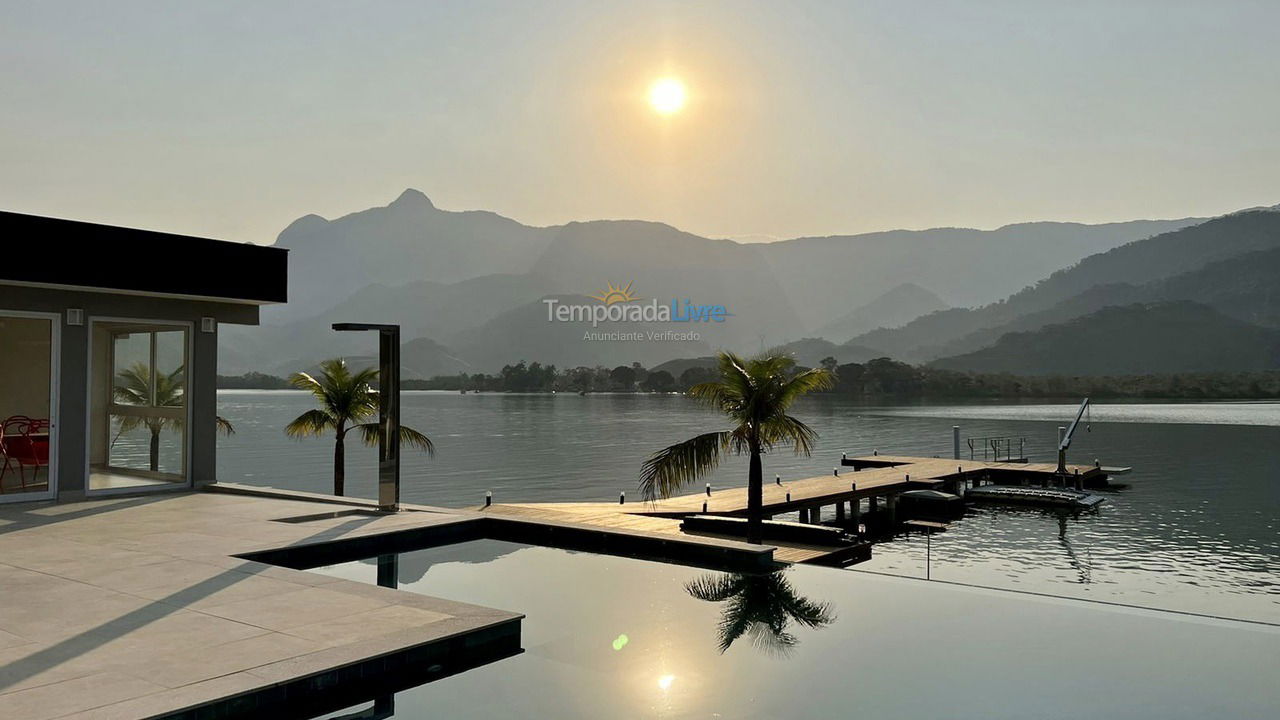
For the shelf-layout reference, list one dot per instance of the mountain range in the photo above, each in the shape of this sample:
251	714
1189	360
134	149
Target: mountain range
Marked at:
468	287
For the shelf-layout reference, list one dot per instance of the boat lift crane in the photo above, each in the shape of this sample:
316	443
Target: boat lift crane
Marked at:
1065	441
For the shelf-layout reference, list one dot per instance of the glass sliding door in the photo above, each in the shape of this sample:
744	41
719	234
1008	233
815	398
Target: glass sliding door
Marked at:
28	404
138	412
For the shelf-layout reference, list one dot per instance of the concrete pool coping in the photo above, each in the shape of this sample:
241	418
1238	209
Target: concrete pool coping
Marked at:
141	607
189	603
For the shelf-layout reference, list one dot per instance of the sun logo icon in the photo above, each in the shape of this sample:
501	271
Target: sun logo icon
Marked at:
616	295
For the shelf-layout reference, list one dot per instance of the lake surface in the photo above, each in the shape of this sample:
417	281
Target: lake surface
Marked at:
1195	528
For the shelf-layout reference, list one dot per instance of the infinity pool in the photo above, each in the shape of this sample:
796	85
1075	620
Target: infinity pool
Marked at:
621	638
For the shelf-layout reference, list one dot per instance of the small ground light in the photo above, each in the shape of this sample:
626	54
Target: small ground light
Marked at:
488	498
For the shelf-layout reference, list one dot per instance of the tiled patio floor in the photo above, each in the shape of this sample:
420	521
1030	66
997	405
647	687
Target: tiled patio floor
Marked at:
133	607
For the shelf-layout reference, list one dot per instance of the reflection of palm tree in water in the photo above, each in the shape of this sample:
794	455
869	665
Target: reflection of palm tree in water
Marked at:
760	606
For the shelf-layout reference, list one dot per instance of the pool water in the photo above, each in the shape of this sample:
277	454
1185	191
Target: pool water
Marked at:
623	638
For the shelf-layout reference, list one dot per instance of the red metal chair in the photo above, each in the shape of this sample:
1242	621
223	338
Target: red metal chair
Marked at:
22	444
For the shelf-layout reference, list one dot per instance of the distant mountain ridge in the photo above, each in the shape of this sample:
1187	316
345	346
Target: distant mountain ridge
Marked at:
469	284
898	306
411	240
1143	261
1246	287
1175	337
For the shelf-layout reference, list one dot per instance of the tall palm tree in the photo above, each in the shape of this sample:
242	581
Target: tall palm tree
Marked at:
755	395
760	605
347	401
132	386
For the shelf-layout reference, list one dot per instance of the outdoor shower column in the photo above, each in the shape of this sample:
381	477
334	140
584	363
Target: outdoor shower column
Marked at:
388	411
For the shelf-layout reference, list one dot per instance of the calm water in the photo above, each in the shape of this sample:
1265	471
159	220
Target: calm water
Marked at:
1195	529
608	637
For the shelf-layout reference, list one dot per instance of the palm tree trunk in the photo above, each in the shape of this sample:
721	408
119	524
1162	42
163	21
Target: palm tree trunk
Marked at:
339	466
755	499
155	449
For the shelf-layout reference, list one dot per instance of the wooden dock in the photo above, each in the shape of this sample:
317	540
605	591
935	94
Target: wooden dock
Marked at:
618	517
874	478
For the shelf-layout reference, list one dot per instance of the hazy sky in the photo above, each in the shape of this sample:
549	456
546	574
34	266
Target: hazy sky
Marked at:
231	119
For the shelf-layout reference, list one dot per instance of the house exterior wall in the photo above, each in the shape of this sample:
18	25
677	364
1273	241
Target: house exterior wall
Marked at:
73	390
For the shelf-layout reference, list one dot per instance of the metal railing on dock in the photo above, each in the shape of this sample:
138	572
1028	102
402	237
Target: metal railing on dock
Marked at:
998	449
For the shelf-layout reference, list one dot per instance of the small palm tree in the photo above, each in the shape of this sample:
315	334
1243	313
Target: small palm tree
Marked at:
760	605
132	386
347	400
755	395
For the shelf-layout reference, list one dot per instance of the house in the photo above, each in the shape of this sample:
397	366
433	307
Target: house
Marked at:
108	353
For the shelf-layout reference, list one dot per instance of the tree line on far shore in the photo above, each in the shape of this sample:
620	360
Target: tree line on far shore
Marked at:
879	378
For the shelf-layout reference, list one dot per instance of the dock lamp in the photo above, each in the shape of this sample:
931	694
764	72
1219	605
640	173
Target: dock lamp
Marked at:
388	410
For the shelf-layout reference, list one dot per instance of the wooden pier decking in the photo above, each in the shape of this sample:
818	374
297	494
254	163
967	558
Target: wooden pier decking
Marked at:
616	517
861	477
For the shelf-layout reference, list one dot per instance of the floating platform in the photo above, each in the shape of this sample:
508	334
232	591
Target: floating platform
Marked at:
1046	497
931	504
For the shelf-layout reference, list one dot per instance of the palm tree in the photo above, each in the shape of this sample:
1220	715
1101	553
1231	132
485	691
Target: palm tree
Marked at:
346	401
761	605
755	395
132	386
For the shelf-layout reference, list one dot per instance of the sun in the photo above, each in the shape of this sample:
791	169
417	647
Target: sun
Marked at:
667	96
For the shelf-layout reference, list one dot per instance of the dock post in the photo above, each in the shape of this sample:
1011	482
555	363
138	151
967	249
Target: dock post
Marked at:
708	489
855	513
955	441
891	503
488	498
777	479
1079	481
835	471
815	514
840	512
622	497
803	515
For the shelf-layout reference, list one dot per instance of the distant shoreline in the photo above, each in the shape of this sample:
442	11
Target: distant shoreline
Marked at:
887	380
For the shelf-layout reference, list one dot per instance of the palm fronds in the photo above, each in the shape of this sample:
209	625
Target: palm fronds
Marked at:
754	394
369	433
673	467
311	423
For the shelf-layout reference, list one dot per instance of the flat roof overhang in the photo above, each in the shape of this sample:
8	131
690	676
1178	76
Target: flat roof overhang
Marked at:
70	254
